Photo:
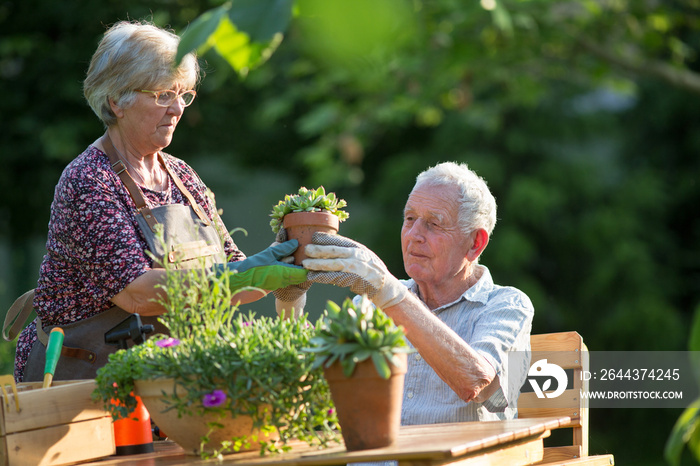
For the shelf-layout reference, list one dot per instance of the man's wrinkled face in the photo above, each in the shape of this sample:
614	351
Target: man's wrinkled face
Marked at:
434	248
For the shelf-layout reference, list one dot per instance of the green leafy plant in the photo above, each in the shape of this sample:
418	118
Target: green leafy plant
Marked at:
228	364
354	333
308	200
686	431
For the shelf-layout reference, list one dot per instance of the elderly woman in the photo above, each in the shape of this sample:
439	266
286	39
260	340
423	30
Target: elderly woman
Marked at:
111	200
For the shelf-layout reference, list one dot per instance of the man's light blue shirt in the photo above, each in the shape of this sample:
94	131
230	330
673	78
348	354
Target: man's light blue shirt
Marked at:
496	322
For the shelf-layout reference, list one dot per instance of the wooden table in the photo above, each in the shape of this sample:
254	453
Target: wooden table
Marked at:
513	442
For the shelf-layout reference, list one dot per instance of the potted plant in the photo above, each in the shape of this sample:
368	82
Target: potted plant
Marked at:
363	354
304	213
240	382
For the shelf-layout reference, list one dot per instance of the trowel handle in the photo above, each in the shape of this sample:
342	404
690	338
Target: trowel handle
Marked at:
53	352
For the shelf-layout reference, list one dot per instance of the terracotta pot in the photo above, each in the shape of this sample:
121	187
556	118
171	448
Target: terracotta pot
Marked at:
302	225
368	406
187	431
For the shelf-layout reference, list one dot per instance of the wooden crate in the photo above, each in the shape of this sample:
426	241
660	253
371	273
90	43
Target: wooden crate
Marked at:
55	426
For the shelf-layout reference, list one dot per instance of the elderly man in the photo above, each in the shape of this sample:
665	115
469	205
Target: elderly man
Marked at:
462	325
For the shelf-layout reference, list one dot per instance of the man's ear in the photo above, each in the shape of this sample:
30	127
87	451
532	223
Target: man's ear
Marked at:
117	110
479	239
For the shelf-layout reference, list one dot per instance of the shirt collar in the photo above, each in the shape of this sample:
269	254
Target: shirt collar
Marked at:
479	292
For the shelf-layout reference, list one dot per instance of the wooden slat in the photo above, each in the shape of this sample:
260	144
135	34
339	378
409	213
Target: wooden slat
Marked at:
63	444
563	359
519	455
597	460
567	404
567	350
556	454
562	341
52	406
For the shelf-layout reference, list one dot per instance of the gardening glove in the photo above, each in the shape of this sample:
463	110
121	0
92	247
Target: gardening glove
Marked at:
265	269
341	261
292	296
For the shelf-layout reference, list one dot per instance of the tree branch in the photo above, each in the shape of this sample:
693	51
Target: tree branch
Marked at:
678	77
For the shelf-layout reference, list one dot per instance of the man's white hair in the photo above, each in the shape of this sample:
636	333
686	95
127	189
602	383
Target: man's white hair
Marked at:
477	206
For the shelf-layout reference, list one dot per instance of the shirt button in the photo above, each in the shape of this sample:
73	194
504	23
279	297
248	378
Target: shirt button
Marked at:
417	357
409	395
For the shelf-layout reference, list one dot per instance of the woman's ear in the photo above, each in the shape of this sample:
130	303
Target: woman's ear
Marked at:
479	239
116	109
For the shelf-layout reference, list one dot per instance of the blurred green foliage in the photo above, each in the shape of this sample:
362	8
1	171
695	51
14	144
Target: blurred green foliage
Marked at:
580	114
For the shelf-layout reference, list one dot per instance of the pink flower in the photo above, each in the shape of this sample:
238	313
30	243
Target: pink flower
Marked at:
214	399
168	342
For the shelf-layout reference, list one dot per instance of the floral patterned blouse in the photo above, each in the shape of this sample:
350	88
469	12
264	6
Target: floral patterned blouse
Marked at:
95	247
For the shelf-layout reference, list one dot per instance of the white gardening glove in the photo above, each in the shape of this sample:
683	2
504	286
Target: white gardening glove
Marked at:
336	260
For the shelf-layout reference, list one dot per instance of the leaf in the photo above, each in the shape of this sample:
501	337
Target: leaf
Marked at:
381	365
502	19
317	349
686	427
233	45
345	348
393	359
694	345
261	19
361	355
694	442
199	32
348	367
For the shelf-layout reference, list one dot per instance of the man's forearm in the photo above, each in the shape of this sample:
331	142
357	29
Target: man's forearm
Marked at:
466	372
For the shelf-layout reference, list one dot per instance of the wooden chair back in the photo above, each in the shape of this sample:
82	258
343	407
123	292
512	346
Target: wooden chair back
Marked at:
567	350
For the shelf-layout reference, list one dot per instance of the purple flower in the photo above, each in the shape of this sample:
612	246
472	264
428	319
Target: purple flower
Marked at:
331	411
168	342
214	399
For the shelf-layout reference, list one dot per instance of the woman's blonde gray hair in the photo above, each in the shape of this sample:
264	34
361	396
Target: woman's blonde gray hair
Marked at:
477	206
135	55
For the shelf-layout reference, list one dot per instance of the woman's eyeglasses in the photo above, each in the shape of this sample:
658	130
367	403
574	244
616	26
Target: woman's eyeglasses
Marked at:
167	98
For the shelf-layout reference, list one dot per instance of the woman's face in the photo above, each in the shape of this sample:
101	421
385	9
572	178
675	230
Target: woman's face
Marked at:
147	127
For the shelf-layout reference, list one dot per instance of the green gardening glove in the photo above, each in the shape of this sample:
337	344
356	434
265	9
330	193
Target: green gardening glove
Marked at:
265	270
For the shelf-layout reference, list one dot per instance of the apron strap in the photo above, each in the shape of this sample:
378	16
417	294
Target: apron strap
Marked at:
131	186
17	315
136	193
178	182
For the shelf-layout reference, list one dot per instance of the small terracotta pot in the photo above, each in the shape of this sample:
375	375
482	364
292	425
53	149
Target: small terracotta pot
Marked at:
187	431
368	406
302	225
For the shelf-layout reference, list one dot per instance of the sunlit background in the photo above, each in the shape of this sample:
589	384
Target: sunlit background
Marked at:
581	115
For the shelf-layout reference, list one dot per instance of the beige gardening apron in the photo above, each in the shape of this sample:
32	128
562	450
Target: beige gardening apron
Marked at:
189	236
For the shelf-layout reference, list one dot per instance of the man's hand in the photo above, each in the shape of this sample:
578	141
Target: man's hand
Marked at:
340	261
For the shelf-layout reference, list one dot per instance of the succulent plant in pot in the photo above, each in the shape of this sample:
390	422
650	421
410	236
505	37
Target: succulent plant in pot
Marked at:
304	213
363	354
243	382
